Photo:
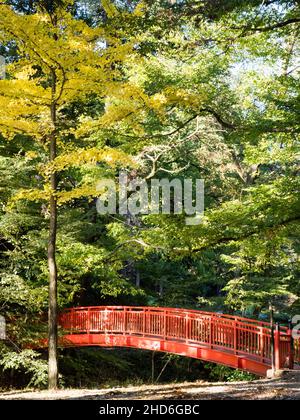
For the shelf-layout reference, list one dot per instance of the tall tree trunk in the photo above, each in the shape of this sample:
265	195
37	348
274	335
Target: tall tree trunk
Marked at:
52	315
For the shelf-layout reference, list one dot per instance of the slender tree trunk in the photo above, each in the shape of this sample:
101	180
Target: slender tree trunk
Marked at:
52	315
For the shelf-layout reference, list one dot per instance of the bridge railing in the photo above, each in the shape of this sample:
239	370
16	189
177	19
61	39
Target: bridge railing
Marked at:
228	333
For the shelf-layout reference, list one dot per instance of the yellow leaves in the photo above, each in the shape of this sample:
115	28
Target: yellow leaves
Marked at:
184	97
77	45
158	99
82	58
130	102
35	39
86	127
30	155
77	158
109	8
22	108
157	102
25	73
64	197
124	102
26	89
31	195
139	11
91	156
116	112
10	126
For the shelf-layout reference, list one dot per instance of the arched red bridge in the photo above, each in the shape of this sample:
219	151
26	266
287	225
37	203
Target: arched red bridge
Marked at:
228	340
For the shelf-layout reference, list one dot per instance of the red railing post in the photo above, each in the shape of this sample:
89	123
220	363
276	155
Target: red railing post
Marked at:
272	340
76	319
235	337
261	344
88	323
125	321
71	320
144	322
291	349
165	325
186	328
277	347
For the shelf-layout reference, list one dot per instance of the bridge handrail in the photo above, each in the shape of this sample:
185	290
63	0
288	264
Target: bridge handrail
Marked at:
160	309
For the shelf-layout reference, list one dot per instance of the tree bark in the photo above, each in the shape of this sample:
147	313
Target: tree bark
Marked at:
52	314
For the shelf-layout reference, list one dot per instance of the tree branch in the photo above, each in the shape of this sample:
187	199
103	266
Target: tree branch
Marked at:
277	25
242	237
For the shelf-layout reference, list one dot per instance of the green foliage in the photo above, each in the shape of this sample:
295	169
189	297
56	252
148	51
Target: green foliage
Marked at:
226	374
28	362
94	367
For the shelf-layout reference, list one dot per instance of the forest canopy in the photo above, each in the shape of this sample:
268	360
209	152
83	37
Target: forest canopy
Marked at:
184	89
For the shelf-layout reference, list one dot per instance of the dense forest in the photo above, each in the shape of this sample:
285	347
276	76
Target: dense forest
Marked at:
186	89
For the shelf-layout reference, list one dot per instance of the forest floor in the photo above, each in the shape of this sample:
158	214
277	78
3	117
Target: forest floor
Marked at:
286	388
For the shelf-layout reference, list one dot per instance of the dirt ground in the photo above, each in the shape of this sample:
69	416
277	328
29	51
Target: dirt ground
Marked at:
285	388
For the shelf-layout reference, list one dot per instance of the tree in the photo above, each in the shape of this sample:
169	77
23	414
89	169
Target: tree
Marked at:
61	61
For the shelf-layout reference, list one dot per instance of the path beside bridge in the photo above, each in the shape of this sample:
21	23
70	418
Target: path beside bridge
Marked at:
286	388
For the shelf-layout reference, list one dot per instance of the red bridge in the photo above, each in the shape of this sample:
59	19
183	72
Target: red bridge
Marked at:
237	342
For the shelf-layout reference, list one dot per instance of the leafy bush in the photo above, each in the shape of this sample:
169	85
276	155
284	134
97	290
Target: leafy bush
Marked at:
26	361
223	373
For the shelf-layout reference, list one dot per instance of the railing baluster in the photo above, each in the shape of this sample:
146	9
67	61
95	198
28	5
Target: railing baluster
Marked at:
291	347
125	322
235	337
